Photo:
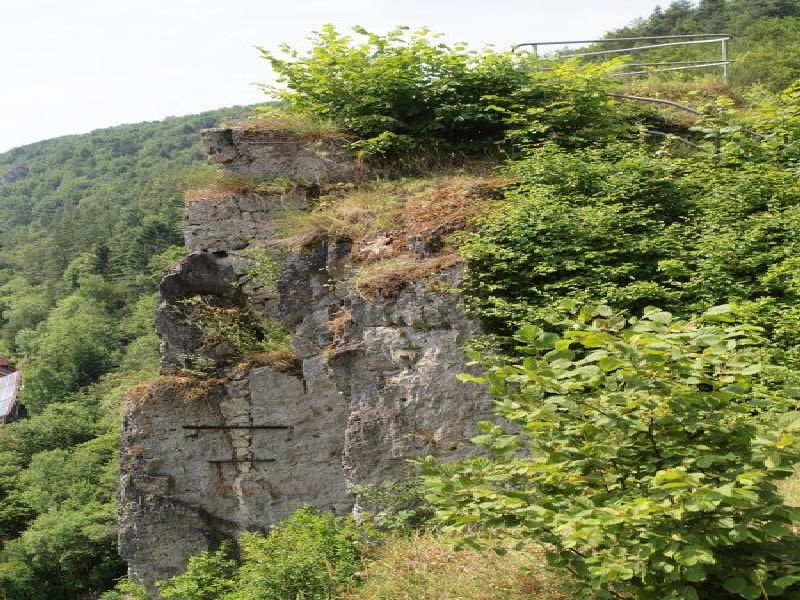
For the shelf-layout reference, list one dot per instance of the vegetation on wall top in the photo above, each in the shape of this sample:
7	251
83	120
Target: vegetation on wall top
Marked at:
407	95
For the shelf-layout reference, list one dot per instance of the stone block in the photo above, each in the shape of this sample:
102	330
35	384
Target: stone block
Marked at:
275	154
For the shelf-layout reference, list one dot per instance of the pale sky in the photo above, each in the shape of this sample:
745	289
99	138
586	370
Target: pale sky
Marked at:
70	66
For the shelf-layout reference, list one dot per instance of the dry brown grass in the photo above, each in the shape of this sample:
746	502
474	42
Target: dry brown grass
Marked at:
304	126
396	208
284	360
694	93
427	568
381	279
230	186
339	322
790	488
354	214
381	218
698	90
188	389
214	192
219	185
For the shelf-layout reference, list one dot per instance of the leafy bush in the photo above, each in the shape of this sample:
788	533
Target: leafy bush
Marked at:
625	226
310	556
589	225
264	268
644	453
405	93
398	506
66	553
208	576
125	589
226	322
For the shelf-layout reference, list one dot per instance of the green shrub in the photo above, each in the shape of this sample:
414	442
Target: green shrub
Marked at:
209	576
628	227
68	553
590	225
645	453
398	506
125	589
223	321
407	93
312	555
264	268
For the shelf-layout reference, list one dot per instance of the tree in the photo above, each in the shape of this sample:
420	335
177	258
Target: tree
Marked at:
644	453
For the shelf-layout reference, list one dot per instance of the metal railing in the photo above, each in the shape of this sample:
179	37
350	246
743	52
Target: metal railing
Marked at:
676	65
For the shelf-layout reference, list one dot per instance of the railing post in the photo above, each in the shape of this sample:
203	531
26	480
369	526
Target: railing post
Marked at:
725	73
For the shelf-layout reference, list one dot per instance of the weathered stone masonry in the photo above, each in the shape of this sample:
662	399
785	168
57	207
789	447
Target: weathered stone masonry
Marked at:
203	460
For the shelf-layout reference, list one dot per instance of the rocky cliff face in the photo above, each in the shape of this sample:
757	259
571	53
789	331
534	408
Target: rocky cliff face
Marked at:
372	386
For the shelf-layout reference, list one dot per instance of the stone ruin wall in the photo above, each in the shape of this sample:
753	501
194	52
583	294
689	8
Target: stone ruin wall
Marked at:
205	459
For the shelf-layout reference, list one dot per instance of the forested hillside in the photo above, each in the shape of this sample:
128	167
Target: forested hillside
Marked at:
766	46
89	223
640	294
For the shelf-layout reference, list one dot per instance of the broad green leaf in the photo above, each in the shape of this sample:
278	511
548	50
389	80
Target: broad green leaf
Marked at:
735	585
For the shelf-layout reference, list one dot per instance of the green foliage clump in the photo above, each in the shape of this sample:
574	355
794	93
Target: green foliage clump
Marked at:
233	325
586	224
397	506
311	555
64	553
623	225
125	589
404	94
264	268
775	118
209	576
644	452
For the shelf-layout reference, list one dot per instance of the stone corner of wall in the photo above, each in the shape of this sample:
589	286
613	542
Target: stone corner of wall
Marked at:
267	154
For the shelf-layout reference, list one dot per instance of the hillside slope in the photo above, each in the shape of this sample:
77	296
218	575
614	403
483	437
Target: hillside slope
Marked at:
88	223
766	44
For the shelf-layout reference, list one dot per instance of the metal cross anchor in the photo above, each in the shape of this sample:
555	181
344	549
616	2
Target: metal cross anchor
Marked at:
223	427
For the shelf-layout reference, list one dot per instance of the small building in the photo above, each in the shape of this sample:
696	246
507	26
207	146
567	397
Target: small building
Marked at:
10	383
6	366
